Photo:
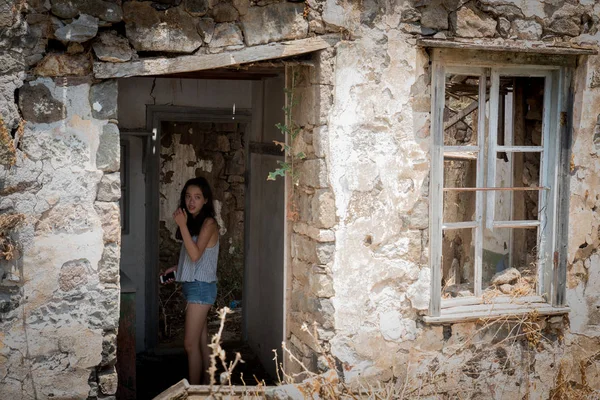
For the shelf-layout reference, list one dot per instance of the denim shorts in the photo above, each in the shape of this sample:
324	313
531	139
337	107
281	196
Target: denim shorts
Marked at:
200	292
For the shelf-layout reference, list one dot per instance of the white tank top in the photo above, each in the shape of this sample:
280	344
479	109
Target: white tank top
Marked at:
203	270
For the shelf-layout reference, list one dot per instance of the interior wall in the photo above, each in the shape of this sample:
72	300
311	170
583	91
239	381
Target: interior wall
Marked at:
134	96
264	276
136	93
135	237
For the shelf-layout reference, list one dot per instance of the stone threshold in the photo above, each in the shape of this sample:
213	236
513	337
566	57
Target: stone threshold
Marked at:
183	390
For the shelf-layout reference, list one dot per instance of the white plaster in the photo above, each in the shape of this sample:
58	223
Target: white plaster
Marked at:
419	292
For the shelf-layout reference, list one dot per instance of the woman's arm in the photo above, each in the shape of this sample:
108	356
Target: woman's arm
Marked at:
195	250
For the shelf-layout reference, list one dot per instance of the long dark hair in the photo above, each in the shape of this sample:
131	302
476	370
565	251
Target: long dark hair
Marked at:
207	211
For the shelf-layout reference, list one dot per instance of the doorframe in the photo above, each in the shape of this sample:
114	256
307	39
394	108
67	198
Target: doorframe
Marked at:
155	115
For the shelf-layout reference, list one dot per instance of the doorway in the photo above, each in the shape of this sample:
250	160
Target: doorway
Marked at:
190	129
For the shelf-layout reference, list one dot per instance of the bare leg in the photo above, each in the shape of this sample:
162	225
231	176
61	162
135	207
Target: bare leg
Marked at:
205	350
195	323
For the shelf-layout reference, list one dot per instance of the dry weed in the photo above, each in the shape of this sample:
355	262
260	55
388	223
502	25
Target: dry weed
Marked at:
8	222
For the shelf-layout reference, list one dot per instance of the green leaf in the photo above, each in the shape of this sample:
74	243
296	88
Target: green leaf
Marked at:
273	175
301	155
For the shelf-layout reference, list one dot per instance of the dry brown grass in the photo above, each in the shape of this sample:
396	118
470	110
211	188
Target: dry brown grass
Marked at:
8	222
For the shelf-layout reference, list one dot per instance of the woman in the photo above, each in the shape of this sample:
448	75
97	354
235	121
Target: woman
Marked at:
197	270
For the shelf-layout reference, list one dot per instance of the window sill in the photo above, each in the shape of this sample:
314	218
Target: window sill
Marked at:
493	311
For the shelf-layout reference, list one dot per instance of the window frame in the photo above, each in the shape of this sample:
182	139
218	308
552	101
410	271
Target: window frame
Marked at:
549	298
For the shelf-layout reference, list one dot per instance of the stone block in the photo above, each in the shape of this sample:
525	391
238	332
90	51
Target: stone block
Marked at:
526	29
9	83
66	218
73	274
275	22
472	23
313	173
108	266
103	100
418	217
322	312
334	15
225	12
196	8
418	292
321	285
435	16
324	252
108	156
173	30
109	215
320	235
107	381
80	30
226	34
300	270
564	26
206	26
38	106
241	6
504	27
304	249
57	64
109	188
109	11
323	209
111	47
109	349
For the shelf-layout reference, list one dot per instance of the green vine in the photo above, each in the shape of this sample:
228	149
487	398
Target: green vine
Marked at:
290	130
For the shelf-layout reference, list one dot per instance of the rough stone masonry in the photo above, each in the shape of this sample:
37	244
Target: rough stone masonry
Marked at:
360	232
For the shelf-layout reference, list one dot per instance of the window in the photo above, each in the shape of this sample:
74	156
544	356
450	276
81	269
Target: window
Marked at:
494	189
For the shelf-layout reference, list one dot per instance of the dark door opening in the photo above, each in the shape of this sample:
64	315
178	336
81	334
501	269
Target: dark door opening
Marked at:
234	152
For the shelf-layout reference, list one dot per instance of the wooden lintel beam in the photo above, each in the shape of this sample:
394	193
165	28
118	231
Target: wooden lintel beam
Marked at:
199	62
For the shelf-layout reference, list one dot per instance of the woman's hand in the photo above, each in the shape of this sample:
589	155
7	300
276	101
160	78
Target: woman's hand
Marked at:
169	270
180	217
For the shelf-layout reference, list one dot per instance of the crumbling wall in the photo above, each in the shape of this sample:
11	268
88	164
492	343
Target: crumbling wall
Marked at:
59	296
59	332
311	212
377	160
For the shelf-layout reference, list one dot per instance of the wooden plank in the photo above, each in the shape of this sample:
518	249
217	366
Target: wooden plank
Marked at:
463	113
460	156
466	301
481	117
506	46
164	65
495	313
460	149
492	144
520	149
494	189
516	224
176	391
436	185
459	225
564	178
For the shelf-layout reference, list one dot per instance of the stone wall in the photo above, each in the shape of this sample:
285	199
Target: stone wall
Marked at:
377	160
359	240
59	332
312	213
